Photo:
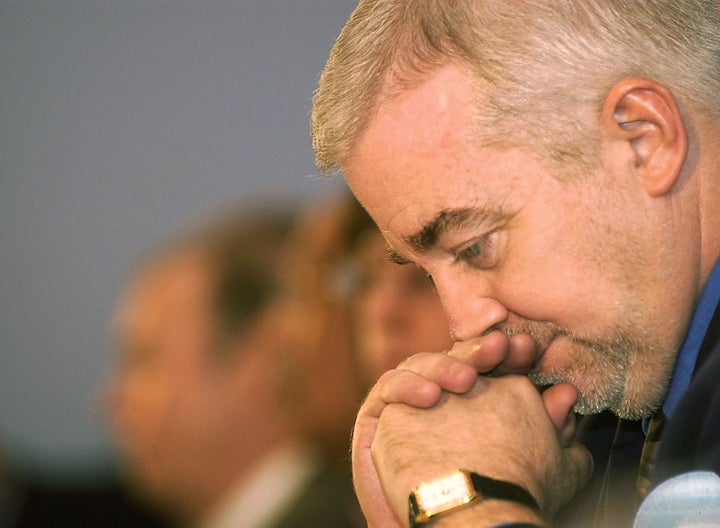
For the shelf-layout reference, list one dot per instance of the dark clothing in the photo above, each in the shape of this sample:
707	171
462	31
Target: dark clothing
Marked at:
98	505
690	442
609	499
692	437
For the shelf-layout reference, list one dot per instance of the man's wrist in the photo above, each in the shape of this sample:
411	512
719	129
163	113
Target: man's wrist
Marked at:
491	513
452	493
518	525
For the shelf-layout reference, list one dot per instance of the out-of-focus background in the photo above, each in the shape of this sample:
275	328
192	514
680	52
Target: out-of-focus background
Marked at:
119	121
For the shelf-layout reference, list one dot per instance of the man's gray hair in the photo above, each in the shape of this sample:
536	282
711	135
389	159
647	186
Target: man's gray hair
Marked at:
543	67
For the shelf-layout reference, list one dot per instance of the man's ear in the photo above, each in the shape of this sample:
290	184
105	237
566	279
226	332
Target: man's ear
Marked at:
644	113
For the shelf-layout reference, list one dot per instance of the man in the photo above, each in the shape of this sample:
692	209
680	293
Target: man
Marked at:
554	166
208	395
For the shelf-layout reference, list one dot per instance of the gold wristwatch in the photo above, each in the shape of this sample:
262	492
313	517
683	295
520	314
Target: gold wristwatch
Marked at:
458	490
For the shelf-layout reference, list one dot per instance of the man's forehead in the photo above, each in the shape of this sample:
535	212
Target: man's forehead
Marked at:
434	116
418	168
446	222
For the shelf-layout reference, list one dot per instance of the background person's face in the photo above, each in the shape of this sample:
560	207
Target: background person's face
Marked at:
162	393
398	311
514	248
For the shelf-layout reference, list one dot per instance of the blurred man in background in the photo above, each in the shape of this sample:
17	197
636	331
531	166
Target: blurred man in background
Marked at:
209	395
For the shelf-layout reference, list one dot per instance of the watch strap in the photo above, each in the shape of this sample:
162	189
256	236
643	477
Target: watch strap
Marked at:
517	525
485	488
491	488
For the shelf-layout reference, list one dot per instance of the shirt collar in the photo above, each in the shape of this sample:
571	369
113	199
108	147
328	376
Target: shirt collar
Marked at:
687	358
275	484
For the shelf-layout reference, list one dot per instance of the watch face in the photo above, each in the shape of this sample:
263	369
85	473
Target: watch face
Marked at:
445	493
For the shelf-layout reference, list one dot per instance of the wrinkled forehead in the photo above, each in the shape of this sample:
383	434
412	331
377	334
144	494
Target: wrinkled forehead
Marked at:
420	130
435	194
418	218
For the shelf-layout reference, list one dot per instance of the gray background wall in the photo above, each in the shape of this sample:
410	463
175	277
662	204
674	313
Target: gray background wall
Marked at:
119	120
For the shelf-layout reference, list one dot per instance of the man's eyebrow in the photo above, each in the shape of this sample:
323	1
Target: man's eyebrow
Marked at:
394	256
449	220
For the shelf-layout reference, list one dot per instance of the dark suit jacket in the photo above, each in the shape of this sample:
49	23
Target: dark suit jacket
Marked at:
691	440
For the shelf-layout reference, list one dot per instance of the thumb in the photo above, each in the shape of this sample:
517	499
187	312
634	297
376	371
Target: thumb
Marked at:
577	470
559	400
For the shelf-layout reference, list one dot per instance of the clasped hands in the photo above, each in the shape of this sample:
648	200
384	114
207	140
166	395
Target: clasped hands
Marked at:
436	413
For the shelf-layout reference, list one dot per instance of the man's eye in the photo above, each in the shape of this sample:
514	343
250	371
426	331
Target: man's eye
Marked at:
482	253
470	252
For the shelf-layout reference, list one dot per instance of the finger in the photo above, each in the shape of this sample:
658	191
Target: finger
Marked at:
582	465
409	387
522	354
577	470
582	460
448	372
484	353
366	481
559	401
400	386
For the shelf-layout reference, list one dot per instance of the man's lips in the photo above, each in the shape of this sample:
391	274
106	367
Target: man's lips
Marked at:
543	334
543	349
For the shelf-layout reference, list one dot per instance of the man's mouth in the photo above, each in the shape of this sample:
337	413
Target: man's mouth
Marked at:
543	350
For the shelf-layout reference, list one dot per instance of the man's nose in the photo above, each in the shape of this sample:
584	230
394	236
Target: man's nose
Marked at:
470	304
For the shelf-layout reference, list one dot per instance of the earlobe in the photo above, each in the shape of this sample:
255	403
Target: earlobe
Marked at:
645	115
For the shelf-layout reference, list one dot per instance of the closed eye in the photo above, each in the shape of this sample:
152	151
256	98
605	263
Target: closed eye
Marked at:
473	250
482	253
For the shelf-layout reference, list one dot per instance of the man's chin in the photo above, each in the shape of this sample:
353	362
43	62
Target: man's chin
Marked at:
635	412
590	401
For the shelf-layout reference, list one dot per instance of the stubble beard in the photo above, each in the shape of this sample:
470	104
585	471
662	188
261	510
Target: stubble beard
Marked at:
622	374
